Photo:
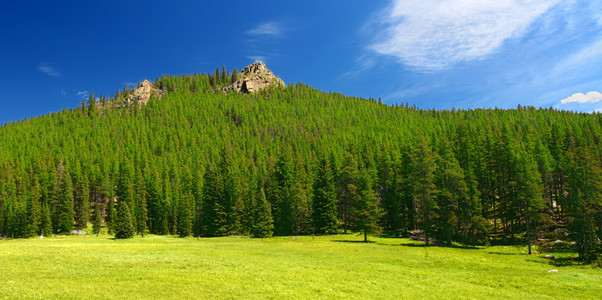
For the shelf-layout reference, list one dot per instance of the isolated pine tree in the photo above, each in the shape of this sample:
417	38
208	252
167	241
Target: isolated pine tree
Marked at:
124	229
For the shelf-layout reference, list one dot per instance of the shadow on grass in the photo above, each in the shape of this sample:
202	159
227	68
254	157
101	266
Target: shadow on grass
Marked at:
353	241
505	253
413	245
562	261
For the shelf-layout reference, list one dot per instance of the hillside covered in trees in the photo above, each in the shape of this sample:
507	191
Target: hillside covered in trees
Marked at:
294	160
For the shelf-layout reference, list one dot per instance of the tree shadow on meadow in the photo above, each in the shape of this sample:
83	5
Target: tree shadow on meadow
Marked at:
354	241
414	245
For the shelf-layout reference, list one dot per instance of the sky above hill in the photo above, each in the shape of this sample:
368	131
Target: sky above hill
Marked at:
438	54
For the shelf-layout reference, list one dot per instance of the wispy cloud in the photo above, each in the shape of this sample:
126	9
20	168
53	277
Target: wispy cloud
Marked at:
48	70
591	97
433	35
257	58
82	94
363	64
267	29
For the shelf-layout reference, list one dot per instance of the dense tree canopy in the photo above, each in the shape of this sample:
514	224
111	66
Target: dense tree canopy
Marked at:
295	160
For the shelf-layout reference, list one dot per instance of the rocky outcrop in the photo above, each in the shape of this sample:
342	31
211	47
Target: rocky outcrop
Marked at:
253	78
142	94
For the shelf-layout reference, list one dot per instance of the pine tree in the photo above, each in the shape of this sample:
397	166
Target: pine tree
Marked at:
64	211
141	205
449	179
157	216
530	192
348	189
110	216
124	229
282	203
35	208
125	187
184	217
424	188
262	224
366	210
211	210
324	216
92	111
585	198
234	75
82	199
46	222
97	219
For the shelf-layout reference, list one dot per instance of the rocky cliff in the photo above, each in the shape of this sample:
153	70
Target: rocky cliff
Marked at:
142	94
253	78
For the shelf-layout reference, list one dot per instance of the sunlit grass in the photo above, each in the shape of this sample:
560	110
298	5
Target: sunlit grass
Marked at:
99	267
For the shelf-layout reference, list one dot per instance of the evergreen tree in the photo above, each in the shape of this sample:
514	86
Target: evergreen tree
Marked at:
92	111
282	203
585	198
262	222
97	219
184	217
124	229
110	216
35	208
424	188
141	205
64	211
125	187
234	75
453	191
82	198
46	222
211	203
348	189
530	193
156	211
324	214
366	210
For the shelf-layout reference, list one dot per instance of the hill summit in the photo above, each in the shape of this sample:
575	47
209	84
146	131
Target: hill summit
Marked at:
253	78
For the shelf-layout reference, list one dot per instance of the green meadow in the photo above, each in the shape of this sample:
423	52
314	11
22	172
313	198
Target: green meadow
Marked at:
340	266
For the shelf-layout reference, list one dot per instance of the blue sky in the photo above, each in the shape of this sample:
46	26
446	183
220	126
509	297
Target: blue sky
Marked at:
432	53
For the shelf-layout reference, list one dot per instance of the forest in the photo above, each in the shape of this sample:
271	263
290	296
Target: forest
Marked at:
298	161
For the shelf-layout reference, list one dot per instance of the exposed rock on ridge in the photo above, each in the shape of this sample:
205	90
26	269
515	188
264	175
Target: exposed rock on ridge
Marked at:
253	78
142	94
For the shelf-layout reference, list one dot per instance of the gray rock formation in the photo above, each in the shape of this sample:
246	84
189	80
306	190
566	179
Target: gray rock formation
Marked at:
253	78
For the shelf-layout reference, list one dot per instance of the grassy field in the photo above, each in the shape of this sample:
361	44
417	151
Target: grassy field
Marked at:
91	267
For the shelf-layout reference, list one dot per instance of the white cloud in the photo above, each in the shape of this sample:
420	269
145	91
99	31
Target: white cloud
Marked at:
48	70
591	97
257	58
362	64
586	55
82	94
267	29
431	35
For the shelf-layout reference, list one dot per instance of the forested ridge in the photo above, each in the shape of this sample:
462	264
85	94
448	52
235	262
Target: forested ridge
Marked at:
295	160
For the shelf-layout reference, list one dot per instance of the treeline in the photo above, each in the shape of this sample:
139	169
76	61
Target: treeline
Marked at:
295	160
